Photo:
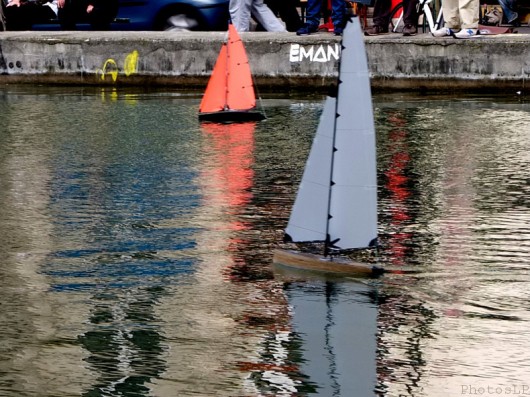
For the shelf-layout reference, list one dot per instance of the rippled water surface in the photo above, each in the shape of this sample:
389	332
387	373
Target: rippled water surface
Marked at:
135	251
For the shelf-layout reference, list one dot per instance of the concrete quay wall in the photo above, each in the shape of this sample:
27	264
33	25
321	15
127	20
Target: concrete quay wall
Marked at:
279	61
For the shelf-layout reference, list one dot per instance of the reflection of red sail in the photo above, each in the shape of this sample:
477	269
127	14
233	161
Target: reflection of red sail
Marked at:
227	178
397	185
232	146
229	95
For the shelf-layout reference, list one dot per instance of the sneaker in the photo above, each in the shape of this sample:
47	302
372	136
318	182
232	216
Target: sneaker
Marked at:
338	31
306	30
375	30
442	32
515	22
466	33
410	30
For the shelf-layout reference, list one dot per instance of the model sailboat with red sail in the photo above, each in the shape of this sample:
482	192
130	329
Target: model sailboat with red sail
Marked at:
230	95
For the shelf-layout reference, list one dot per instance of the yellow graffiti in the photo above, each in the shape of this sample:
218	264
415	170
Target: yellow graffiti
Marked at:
110	67
131	63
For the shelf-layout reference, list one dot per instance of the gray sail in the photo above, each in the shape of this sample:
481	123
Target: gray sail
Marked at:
353	207
309	216
342	201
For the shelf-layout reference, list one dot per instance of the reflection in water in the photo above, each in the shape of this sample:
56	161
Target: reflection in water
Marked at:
396	184
440	321
135	248
124	354
337	324
98	189
36	350
120	247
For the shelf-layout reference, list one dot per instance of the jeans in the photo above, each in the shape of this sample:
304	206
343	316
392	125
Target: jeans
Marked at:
461	14
242	10
338	11
508	10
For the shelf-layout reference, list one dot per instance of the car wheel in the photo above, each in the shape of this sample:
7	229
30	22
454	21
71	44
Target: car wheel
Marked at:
181	22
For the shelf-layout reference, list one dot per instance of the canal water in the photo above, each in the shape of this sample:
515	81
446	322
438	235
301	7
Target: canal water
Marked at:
135	251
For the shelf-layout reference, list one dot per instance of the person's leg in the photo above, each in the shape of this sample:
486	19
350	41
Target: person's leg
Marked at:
266	18
288	13
240	14
469	16
338	13
381	18
410	12
2	17
71	13
410	17
469	13
41	14
312	18
15	19
382	13
509	10
103	14
451	13
24	16
313	13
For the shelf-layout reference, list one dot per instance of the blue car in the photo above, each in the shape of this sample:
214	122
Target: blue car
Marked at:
163	15
172	15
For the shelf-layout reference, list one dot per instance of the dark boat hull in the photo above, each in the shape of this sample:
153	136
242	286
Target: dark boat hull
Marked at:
232	115
318	263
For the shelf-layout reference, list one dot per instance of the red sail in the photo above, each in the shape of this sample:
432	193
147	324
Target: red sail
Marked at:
230	86
240	94
214	98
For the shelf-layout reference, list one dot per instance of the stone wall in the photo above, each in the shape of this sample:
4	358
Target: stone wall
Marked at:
278	61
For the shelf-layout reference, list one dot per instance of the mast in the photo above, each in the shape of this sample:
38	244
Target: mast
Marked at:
327	241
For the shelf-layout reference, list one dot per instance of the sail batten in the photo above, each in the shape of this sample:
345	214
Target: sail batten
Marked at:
342	161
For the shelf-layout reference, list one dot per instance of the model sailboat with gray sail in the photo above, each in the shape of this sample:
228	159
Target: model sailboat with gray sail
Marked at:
336	202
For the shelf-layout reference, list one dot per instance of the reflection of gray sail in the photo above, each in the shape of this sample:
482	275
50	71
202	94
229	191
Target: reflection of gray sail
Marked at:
340	175
337	324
